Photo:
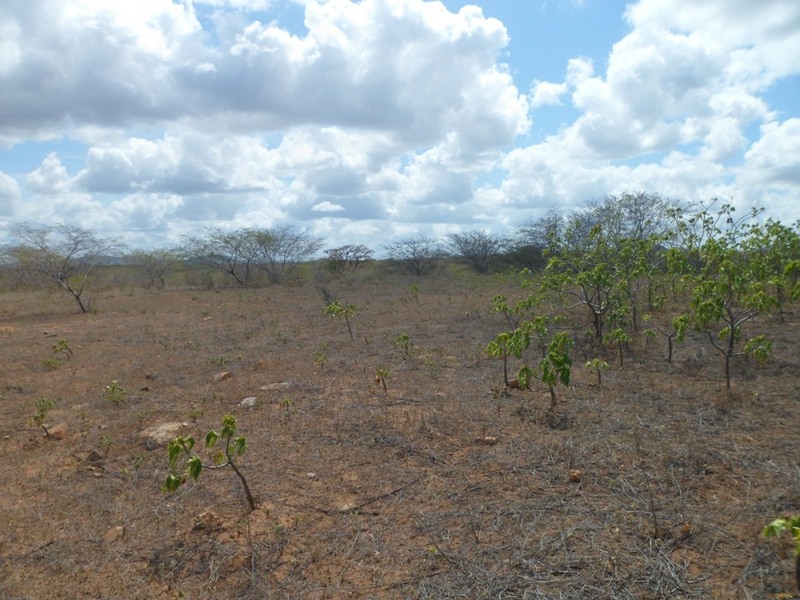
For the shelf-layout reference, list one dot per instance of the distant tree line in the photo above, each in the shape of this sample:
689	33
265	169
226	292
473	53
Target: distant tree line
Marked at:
582	252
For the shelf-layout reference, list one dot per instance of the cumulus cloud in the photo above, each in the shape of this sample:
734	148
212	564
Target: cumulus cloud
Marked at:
198	112
671	110
9	194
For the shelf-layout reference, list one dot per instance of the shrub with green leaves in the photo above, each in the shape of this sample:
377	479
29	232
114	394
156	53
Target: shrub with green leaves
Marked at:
184	463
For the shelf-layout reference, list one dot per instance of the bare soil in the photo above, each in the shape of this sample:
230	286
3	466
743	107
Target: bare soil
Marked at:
655	484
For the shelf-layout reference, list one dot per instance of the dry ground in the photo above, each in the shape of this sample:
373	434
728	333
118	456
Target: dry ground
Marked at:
372	494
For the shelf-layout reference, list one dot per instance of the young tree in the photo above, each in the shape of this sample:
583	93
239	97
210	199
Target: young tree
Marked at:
732	280
65	255
476	248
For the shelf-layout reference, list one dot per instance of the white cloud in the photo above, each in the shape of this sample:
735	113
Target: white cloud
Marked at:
327	206
547	92
9	194
379	110
775	158
50	178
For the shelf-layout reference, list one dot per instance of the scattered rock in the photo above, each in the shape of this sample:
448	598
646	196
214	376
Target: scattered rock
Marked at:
283	385
575	475
207	521
113	534
249	402
57	432
222	376
487	440
311	475
163	433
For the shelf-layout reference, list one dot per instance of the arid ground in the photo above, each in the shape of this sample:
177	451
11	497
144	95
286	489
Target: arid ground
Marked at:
654	485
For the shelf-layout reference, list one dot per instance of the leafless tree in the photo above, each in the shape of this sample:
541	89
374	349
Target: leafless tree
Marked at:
349	257
65	255
154	265
417	255
478	249
281	249
232	252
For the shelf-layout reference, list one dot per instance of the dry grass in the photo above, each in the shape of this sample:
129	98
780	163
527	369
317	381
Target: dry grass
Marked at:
372	494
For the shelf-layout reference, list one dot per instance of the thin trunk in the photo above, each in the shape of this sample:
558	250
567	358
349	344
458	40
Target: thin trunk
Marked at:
250	499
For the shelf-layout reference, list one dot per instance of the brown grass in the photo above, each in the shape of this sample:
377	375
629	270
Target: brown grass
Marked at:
372	494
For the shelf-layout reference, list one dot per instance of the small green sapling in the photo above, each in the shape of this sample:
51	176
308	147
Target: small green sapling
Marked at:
184	463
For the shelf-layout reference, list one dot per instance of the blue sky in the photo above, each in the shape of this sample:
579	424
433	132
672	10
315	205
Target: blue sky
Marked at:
378	119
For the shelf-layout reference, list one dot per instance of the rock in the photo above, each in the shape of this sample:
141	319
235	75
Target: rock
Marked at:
58	432
311	475
283	385
163	433
249	402
222	376
575	475
487	440
113	534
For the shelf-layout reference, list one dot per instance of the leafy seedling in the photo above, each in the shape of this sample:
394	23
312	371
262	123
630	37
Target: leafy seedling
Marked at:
185	464
336	309
42	406
792	525
380	378
62	347
599	365
114	393
403	341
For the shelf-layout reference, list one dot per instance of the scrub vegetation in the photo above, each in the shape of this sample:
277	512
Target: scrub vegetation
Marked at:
450	449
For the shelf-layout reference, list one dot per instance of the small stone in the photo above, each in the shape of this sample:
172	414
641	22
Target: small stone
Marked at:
311	475
249	402
283	385
222	376
113	534
163	433
487	440
575	475
58	432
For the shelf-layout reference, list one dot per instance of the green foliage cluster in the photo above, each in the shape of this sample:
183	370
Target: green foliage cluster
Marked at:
184	464
642	260
336	309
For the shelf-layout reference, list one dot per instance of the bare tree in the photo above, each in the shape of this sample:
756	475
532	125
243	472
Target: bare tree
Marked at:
232	252
478	249
349	257
417	255
155	265
545	232
281	249
63	254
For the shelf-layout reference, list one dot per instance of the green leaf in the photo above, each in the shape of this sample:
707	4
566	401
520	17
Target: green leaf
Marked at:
240	444
194	466
211	438
172	483
228	426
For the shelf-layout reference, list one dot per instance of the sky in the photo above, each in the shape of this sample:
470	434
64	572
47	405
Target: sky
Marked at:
366	122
